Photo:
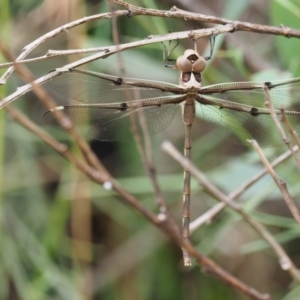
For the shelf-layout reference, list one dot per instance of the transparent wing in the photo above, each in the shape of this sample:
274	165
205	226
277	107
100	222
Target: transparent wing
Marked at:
106	124
91	87
112	105
284	93
240	108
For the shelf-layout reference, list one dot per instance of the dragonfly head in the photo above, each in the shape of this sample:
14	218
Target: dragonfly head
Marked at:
191	64
190	61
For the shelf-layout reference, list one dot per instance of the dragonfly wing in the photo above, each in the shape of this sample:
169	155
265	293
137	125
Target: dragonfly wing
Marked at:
111	124
110	104
91	87
240	107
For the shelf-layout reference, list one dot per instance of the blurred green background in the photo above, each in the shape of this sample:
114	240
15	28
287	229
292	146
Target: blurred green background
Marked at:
63	237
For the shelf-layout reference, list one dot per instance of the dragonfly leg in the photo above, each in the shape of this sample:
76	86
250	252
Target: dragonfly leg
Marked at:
167	53
212	45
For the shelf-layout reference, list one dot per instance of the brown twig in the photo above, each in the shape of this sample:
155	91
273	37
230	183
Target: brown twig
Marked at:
215	210
168	226
132	10
94	169
110	50
268	104
178	13
284	259
144	150
49	102
97	173
280	183
289	128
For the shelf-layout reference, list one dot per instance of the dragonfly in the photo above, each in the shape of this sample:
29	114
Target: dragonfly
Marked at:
103	108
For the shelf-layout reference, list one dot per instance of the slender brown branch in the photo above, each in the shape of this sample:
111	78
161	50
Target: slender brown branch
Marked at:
167	225
95	171
178	13
26	88
280	183
110	50
144	150
49	102
132	10
90	172
289	128
26	50
217	194
268	104
215	210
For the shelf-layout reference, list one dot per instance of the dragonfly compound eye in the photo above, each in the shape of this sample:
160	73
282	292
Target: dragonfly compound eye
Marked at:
183	64
191	61
199	65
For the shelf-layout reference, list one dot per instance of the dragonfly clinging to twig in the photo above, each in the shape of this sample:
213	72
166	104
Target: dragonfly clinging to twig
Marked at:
104	112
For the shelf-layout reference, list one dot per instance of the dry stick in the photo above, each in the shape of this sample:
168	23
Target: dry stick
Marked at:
109	50
97	168
26	50
165	223
285	261
268	104
28	87
215	210
171	231
187	246
178	13
288	126
144	150
134	11
280	183
62	118
86	169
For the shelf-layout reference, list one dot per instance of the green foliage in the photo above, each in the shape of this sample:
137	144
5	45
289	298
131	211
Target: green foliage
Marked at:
286	14
63	237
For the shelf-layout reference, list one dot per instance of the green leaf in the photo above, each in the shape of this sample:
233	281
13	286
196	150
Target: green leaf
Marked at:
286	14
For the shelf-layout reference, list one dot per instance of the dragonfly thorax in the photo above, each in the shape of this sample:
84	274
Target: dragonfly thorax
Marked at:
190	80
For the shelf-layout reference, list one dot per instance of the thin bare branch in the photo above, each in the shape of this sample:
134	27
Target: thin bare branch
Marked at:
215	210
167	224
94	169
110	50
284	260
178	13
268	104
289	128
144	150
26	50
86	169
49	102
280	183
132	10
